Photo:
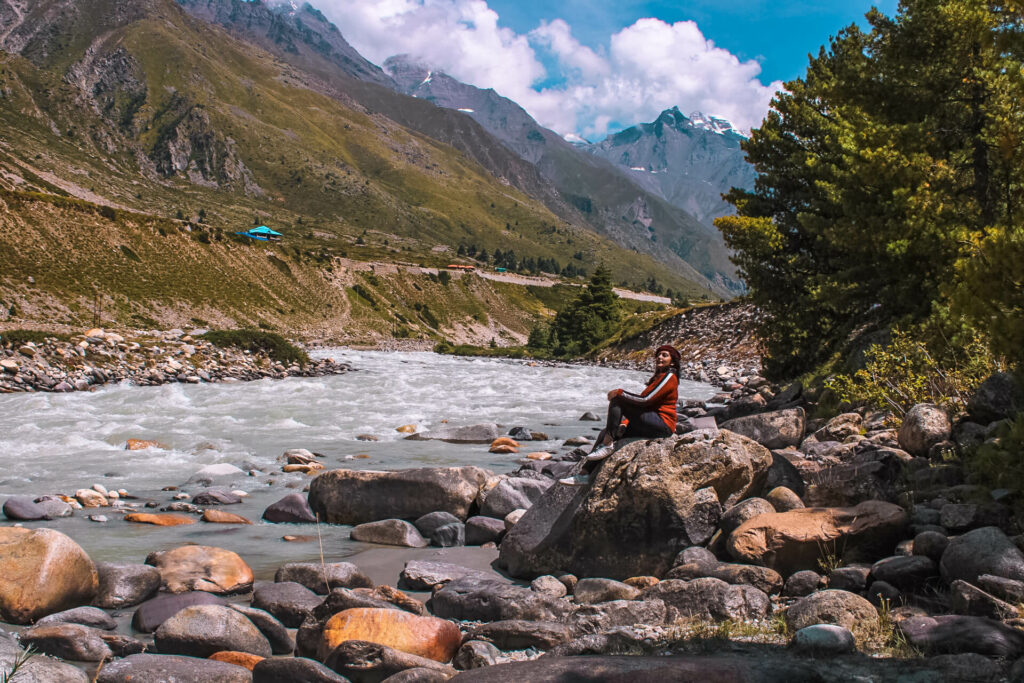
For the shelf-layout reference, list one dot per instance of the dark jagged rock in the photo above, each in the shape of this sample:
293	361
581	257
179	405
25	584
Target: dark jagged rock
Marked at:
710	599
293	508
648	501
955	633
475	599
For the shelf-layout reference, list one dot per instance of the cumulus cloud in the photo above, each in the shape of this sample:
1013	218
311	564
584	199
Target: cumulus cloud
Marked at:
569	87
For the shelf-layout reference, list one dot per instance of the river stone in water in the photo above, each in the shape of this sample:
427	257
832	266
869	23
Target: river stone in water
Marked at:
389	532
432	521
830	607
124	585
481	433
41	572
512	494
293	508
430	637
202	630
981	551
201	568
144	668
23	509
777	429
311	575
287	601
152	613
358	496
216	496
791	541
86	616
294	670
648	501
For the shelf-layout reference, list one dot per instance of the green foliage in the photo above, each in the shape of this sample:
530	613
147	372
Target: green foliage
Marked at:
999	462
904	372
275	346
582	323
364	293
16	338
880	170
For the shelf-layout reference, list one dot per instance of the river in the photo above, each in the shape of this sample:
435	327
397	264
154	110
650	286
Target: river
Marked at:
58	443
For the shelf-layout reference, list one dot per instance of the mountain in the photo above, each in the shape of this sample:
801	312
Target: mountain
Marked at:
611	201
689	161
170	135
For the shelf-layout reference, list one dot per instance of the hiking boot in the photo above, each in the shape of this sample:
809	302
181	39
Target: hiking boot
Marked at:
599	453
578	480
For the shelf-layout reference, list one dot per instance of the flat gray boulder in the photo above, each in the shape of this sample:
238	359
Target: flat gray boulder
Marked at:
124	585
390	532
358	496
423	575
202	630
982	551
313	574
475	599
145	668
480	433
777	429
512	493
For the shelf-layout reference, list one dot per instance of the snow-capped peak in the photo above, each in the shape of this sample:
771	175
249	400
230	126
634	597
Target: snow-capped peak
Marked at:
575	139
715	124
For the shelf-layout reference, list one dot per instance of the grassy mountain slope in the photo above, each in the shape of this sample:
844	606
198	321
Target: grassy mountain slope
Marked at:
139	106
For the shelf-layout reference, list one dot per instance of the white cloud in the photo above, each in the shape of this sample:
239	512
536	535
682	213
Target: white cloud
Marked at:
645	68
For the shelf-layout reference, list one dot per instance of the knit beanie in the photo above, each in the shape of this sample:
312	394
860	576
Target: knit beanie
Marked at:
671	352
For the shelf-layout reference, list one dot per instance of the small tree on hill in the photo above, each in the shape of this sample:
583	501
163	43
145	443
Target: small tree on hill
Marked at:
589	318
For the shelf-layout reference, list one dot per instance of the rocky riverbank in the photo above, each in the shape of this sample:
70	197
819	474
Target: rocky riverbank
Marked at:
97	357
771	548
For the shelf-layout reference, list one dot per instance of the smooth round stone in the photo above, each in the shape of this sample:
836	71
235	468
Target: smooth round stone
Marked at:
293	508
930	544
825	639
152	613
287	601
276	633
480	530
549	585
202	630
389	532
432	521
146	667
55	507
86	616
802	583
294	670
23	509
124	585
449	536
216	497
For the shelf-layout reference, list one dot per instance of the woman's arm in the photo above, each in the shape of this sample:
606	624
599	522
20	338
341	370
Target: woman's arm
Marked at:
652	396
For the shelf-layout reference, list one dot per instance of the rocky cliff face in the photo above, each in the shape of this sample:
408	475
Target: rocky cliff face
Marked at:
688	160
605	196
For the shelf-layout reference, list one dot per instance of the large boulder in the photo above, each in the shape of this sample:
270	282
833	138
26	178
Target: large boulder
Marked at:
791	541
709	598
41	572
512	494
830	607
956	633
997	398
36	669
124	585
429	637
480	599
202	630
867	472
357	496
777	429
924	425
648	501
201	568
982	551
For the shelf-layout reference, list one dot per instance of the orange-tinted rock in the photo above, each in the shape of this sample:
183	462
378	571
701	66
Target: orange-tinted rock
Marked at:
504	441
504	449
641	582
141	444
538	455
300	538
42	571
243	659
305	469
791	541
201	568
406	429
158	519
221	517
428	637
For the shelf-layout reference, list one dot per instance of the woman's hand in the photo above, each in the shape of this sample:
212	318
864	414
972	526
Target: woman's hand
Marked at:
614	393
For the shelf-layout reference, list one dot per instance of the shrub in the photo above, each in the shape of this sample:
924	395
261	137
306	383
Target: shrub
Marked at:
21	337
275	346
904	372
998	463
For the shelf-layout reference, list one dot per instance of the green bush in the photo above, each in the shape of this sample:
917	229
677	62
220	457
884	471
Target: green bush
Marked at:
999	462
21	337
904	372
275	346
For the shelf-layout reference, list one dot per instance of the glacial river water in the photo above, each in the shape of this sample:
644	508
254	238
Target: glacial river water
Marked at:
58	443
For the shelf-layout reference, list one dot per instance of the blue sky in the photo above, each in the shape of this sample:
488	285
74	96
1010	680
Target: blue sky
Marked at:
592	68
779	35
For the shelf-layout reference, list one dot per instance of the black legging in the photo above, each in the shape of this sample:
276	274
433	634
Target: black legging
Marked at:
642	423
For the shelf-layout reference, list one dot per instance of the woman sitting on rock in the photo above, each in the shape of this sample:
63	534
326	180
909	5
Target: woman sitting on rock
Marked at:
649	415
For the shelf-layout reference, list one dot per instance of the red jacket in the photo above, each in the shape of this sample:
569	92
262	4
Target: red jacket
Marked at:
661	394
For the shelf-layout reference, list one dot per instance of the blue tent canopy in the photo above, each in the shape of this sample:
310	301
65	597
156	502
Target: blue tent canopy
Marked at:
264	230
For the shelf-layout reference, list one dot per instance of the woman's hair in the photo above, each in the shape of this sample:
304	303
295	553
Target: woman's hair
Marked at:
674	353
